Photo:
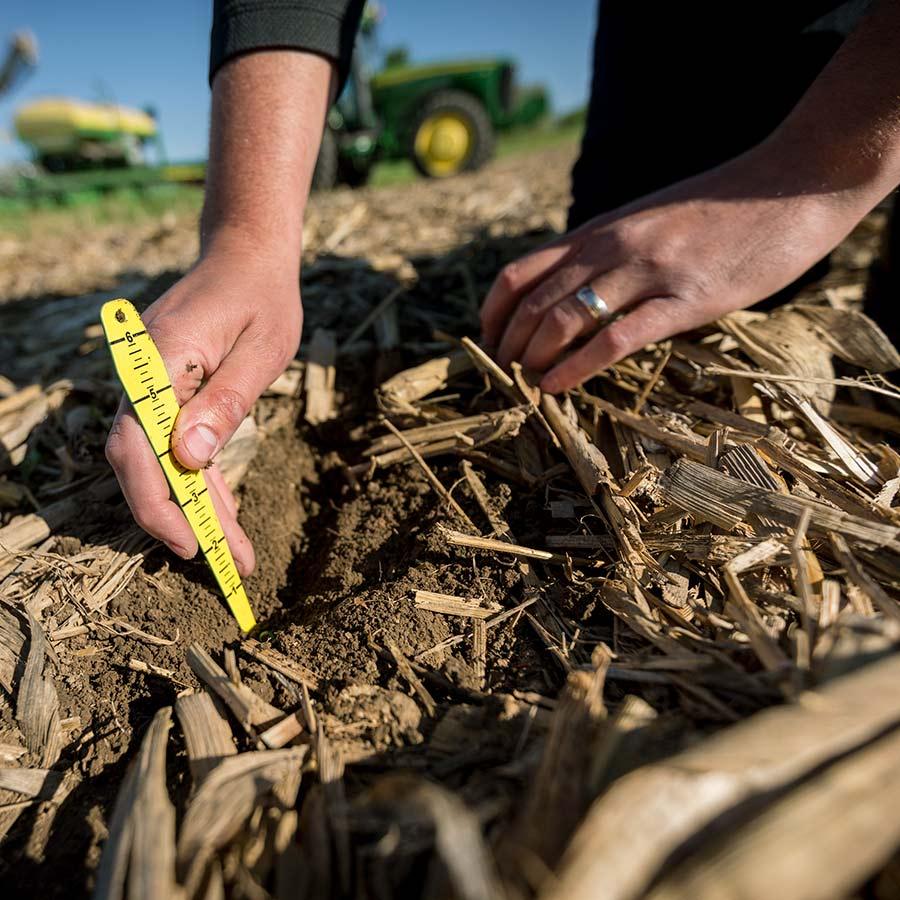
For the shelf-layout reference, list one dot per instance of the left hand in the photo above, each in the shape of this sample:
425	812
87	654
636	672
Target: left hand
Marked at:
670	262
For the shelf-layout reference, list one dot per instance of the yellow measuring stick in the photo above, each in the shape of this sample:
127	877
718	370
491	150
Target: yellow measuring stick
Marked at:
143	375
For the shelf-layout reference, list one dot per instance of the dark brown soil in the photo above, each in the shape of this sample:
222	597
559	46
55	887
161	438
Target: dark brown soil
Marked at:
336	564
336	570
336	567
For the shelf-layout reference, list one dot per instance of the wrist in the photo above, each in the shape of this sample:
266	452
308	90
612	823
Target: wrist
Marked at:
243	240
832	172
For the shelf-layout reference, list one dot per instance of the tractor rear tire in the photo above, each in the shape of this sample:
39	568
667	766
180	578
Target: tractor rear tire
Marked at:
353	176
455	106
325	174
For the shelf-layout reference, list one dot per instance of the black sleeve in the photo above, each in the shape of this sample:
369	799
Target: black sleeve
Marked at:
326	27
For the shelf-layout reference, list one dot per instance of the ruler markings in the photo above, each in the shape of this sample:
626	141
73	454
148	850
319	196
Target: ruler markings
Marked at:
188	487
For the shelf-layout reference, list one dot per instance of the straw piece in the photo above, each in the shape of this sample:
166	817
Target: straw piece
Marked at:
449	605
320	375
635	826
207	737
282	664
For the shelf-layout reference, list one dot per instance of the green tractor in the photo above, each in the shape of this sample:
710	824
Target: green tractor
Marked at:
442	117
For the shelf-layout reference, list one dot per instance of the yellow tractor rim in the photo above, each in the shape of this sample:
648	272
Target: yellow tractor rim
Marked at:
444	143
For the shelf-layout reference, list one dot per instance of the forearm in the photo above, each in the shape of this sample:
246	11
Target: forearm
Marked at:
268	112
843	137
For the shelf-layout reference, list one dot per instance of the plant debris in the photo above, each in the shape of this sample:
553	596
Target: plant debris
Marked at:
635	641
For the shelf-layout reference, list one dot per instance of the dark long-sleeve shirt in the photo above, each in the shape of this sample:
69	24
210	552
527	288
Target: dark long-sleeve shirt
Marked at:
325	27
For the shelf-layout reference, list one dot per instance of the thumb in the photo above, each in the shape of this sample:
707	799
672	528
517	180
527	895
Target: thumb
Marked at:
209	419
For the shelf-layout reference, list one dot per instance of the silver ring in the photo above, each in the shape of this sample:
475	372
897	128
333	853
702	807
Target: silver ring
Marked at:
593	303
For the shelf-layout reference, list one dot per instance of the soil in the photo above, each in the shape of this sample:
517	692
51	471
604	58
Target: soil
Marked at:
336	566
337	562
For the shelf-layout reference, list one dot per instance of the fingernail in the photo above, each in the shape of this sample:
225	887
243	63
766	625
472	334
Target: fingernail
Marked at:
178	550
201	442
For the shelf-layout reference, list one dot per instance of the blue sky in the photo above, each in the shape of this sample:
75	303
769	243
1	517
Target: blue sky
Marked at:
137	52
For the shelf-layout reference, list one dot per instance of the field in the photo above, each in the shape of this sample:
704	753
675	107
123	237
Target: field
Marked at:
636	642
132	207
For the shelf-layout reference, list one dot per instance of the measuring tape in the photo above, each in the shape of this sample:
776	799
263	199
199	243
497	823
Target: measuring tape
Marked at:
143	375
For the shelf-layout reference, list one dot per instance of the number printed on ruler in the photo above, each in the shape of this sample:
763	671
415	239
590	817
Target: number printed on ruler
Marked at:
143	375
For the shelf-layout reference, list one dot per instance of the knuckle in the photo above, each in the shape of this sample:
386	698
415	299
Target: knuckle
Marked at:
618	341
115	449
562	320
532	307
665	256
619	242
510	277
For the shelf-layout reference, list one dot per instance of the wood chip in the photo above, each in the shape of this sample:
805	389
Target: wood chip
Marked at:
37	784
495	546
398	393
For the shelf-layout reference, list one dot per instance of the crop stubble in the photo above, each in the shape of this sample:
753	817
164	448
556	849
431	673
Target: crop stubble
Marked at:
482	608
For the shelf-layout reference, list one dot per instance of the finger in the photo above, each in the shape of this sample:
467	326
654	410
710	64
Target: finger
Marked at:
214	474
238	542
144	484
561	325
211	416
652	320
532	308
515	279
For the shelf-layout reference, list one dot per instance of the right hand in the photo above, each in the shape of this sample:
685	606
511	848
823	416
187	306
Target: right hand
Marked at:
226	331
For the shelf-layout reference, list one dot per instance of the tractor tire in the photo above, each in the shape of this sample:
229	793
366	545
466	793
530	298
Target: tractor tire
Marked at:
325	175
353	176
435	158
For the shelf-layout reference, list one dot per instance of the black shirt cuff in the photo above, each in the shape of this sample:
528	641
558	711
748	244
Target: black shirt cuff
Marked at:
326	27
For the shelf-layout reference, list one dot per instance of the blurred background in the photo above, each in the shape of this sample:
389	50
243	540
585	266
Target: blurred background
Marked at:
104	107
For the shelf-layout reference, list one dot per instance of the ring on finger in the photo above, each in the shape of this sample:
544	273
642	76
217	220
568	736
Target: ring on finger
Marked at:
593	303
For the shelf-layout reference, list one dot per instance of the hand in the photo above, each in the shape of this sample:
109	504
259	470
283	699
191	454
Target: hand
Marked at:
225	332
673	261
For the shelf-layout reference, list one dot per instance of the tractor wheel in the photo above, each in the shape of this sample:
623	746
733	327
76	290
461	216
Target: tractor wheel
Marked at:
325	175
452	133
354	176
